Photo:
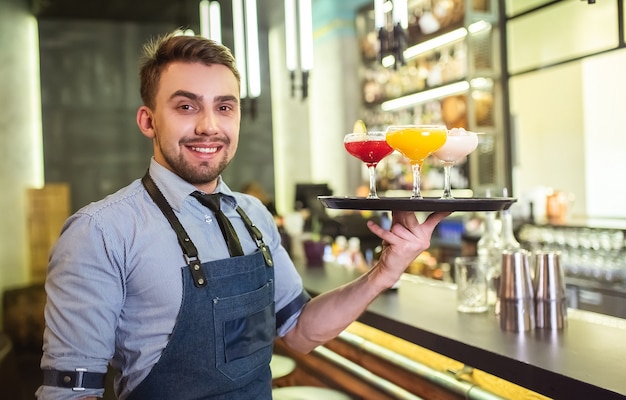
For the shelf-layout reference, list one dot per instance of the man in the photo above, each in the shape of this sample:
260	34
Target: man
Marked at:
144	279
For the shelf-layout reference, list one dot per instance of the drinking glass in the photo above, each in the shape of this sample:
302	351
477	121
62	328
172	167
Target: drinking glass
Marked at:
416	142
470	276
370	147
459	144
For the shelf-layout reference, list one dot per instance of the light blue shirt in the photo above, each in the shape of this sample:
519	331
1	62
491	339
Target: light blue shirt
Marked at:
114	280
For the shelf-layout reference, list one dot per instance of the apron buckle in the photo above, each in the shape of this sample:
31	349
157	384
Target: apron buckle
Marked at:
199	279
267	255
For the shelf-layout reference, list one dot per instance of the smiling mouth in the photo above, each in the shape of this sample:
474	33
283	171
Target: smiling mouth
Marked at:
205	150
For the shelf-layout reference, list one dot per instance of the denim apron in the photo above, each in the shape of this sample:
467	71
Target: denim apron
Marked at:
222	342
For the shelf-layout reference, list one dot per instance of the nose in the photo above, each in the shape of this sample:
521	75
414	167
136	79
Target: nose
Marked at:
206	123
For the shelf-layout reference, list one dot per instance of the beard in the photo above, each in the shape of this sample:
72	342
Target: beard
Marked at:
196	174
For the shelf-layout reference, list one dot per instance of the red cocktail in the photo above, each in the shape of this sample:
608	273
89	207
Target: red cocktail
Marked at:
370	148
370	152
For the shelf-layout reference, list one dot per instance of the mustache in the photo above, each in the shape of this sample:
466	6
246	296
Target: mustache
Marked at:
197	141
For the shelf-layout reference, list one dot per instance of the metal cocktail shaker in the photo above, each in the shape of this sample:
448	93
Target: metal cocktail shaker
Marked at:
516	294
550	294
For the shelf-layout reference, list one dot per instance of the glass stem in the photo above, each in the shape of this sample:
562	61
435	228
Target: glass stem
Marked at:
417	167
372	171
447	186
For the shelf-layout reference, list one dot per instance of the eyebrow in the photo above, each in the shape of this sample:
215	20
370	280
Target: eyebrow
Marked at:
194	96
184	93
227	97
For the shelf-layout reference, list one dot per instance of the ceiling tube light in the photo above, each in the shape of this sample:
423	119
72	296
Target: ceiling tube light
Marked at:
215	21
427	95
306	35
291	36
401	13
305	18
252	47
291	43
210	20
379	14
299	43
204	18
240	45
380	24
392	39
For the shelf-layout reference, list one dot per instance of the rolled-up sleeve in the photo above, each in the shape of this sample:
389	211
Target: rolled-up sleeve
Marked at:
85	296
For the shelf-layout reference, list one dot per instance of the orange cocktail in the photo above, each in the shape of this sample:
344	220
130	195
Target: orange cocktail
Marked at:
416	142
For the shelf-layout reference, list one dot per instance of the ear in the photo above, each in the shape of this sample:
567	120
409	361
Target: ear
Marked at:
144	121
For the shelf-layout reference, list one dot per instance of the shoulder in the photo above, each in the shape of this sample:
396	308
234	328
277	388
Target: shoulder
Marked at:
127	198
125	211
122	223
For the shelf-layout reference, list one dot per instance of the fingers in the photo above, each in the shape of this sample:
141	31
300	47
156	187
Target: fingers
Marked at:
405	224
376	229
433	219
406	238
387	236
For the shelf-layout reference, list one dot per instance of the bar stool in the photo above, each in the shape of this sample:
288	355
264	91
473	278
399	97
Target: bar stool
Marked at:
282	367
308	393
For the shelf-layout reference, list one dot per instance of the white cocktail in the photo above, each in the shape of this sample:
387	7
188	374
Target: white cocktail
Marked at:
459	144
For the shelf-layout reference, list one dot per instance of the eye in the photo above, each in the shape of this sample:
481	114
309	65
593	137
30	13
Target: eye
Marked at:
186	108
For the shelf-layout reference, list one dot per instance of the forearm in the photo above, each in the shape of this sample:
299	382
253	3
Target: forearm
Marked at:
328	314
324	317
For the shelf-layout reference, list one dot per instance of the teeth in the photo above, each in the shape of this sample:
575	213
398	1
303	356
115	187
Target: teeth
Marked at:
205	149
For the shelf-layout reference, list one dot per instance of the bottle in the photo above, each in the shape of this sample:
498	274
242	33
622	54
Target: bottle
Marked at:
489	248
508	240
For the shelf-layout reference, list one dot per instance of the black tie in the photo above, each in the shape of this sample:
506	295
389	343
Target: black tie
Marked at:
212	201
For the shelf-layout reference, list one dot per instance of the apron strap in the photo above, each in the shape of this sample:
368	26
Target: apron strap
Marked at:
257	236
189	249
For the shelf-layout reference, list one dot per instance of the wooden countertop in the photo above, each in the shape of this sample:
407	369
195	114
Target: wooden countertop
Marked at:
585	360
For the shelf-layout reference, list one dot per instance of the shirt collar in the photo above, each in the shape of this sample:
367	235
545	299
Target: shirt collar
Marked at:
176	190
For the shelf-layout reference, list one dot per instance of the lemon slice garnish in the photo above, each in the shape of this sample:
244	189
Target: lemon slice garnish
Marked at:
359	127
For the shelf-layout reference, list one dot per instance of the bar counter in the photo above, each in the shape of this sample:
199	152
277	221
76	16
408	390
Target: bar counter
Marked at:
583	361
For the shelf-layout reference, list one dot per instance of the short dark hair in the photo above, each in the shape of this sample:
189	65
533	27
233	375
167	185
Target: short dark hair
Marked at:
164	50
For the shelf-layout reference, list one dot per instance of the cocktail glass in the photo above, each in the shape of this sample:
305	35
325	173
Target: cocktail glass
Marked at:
459	144
416	142
370	147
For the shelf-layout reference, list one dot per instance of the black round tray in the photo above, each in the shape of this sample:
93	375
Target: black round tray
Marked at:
424	204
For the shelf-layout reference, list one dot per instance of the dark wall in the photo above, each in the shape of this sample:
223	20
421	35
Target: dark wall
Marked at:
255	156
90	95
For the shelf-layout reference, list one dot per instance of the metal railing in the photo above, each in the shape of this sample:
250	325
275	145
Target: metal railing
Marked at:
446	380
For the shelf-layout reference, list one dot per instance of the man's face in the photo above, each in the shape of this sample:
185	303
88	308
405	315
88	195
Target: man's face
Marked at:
195	123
